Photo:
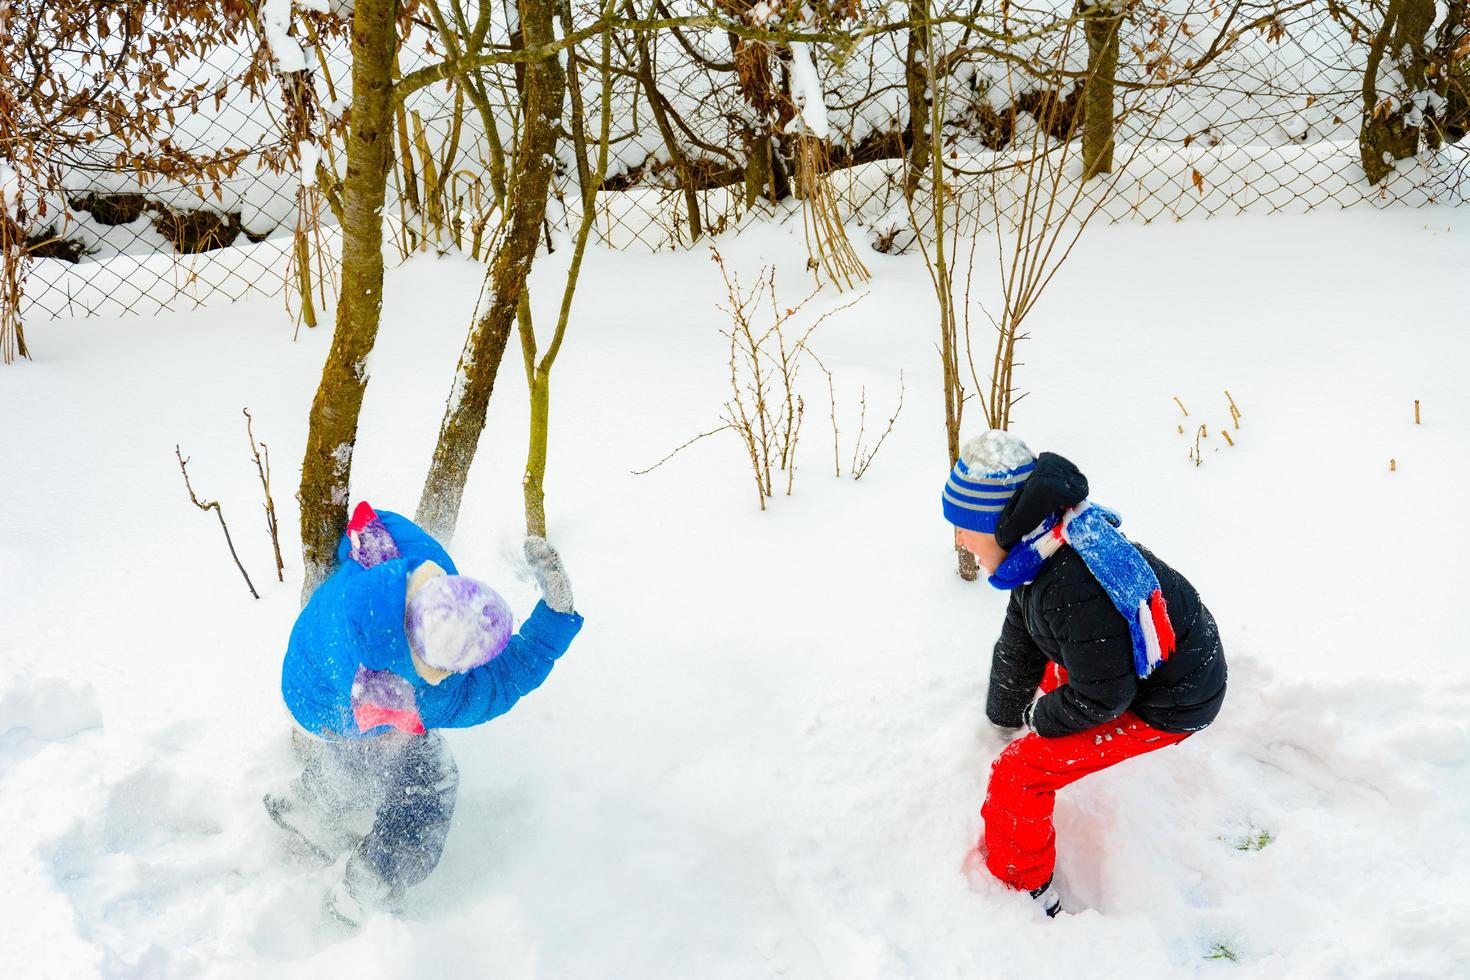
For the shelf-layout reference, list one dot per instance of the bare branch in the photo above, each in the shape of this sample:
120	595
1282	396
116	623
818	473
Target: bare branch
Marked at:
866	458
679	450
213	505
263	469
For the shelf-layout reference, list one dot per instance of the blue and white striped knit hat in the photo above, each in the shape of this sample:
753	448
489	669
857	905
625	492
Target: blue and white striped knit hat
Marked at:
991	468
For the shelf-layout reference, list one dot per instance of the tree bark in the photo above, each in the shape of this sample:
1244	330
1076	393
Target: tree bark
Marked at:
469	400
1102	28
534	482
757	173
1387	133
916	83
752	62
326	470
538	373
1451	58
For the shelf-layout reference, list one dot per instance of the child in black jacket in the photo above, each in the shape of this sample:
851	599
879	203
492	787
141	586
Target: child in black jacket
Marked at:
1126	657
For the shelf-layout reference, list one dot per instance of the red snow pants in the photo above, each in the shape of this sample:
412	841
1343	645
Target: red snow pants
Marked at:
1019	842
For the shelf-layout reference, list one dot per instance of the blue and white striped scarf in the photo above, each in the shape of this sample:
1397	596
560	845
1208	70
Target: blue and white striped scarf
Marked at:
1119	568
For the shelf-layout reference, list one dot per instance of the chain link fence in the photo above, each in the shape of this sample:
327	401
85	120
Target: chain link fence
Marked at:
1217	110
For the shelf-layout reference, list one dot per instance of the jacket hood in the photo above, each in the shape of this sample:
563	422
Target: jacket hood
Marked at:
1055	484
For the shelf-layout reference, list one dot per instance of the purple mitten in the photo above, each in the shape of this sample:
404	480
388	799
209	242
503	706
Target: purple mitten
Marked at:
456	623
372	544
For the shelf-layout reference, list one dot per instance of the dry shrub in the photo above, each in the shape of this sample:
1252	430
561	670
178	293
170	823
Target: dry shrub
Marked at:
764	408
829	249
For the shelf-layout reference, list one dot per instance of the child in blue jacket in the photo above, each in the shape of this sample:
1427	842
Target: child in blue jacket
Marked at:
394	645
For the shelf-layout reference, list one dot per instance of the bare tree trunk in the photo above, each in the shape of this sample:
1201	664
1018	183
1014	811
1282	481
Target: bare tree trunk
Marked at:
464	416
751	61
916	83
538	373
757	166
1453	53
534	482
671	139
924	78
1102	27
326	470
1387	134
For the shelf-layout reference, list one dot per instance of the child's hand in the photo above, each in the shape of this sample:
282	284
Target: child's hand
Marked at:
1026	720
546	566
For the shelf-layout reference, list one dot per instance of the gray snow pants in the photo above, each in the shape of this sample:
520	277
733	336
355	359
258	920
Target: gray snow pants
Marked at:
408	781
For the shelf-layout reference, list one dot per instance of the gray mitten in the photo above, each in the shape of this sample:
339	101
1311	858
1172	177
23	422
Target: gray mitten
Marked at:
545	564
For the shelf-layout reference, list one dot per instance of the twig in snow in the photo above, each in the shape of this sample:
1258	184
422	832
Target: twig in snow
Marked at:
264	469
676	452
1196	454
214	506
795	431
865	459
832	404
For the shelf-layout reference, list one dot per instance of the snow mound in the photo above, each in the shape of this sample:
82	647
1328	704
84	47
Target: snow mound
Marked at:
49	711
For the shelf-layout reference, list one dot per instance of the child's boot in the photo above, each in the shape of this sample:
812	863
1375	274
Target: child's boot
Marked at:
361	892
320	838
1050	900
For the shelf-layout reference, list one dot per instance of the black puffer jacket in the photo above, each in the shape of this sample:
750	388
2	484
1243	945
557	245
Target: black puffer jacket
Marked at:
1065	616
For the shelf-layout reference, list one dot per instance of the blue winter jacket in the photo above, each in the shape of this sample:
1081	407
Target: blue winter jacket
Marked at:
348	645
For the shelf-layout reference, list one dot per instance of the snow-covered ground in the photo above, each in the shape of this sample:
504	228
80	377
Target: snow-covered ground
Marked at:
766	753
